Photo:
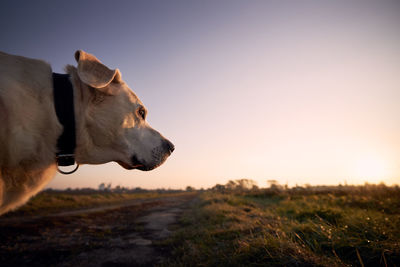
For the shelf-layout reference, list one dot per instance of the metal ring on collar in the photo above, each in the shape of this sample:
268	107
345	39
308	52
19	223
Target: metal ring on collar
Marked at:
70	172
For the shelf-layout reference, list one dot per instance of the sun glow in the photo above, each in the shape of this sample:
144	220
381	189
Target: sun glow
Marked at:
371	169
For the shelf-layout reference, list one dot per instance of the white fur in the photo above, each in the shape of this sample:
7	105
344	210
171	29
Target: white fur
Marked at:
108	125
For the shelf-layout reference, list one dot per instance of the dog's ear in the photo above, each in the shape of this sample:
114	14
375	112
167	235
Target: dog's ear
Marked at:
95	74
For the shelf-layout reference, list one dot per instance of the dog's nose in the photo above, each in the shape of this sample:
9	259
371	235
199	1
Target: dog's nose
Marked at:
167	145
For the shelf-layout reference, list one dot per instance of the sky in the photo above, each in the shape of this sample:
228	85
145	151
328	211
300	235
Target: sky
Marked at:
302	92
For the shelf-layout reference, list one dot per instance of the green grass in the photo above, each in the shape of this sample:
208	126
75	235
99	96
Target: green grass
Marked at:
324	226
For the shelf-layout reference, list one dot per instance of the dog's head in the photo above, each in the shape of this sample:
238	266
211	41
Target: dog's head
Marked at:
113	127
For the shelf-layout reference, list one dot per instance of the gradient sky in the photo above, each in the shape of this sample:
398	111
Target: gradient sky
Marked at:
297	91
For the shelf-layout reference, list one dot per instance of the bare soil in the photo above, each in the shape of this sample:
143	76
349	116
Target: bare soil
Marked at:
128	234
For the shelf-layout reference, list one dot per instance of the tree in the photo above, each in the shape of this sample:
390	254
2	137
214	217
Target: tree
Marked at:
246	184
190	189
218	188
102	186
272	183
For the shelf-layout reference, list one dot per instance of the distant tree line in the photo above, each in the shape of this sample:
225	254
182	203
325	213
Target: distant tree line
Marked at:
239	185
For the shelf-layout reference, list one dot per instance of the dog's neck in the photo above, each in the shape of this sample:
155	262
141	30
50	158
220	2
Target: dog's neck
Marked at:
82	98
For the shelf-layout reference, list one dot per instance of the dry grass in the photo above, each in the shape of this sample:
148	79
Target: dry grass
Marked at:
315	226
49	202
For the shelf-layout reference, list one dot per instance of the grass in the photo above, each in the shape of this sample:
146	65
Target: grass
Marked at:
48	202
314	226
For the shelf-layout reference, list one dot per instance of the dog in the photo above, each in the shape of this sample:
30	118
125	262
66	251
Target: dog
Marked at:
110	124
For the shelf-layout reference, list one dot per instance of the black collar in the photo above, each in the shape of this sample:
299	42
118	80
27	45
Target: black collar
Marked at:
64	105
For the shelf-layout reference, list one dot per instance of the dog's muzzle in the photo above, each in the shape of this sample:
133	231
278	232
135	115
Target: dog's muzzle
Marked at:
168	146
158	156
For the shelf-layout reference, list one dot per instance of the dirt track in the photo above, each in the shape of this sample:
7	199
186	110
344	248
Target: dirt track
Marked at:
122	235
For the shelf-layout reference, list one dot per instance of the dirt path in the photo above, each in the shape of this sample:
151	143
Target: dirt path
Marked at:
127	234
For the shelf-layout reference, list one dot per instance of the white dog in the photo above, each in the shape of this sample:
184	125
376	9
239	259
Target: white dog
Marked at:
109	124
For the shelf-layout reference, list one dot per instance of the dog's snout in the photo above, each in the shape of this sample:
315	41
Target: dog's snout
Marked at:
135	161
168	146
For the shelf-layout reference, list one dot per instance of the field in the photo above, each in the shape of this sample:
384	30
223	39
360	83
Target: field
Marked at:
222	226
313	226
50	201
91	229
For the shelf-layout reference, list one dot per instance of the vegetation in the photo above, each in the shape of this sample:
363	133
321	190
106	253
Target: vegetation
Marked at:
233	225
51	201
239	224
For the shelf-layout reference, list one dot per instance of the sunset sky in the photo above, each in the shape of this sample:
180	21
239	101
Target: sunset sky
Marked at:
303	92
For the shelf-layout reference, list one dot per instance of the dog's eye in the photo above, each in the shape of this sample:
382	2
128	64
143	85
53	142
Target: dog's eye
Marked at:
142	113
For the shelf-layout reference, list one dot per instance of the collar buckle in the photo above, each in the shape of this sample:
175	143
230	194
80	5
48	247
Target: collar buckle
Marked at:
66	160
